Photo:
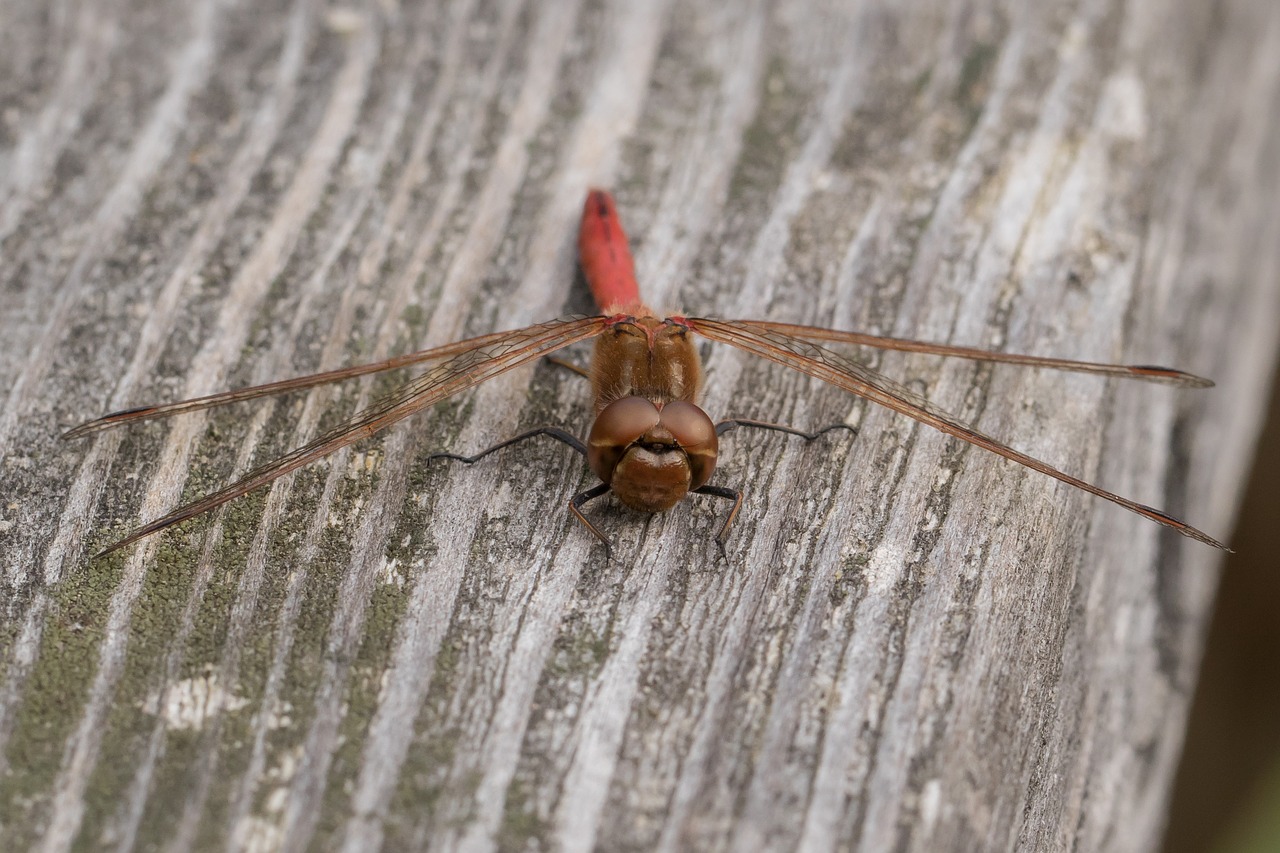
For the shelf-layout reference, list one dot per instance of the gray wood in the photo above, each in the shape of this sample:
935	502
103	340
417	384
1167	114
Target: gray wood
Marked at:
914	644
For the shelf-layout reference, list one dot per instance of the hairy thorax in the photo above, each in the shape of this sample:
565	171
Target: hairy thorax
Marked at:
645	357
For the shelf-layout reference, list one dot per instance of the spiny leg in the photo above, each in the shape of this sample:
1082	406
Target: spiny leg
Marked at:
732	423
568	365
575	507
575	504
731	494
554	432
728	494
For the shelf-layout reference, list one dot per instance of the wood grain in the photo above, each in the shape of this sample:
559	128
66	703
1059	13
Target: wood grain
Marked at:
914	645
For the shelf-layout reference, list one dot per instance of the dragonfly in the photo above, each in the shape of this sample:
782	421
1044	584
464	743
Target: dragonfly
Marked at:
650	444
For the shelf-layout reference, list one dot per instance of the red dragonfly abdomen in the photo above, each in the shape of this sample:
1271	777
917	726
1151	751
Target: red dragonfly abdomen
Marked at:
606	257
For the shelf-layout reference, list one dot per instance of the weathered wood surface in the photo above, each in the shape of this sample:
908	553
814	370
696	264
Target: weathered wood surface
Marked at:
915	644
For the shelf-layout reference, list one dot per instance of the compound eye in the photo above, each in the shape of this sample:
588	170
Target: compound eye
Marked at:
619	425
696	435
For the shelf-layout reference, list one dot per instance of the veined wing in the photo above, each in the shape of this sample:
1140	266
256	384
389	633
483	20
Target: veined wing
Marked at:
283	386
1150	373
768	341
463	371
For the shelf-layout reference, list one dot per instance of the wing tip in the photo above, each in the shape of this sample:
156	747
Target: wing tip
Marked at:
109	420
1157	373
1205	538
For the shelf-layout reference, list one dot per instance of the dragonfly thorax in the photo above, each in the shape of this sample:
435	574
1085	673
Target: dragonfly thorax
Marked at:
645	357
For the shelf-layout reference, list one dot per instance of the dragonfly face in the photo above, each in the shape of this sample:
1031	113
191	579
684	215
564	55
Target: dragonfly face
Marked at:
650	454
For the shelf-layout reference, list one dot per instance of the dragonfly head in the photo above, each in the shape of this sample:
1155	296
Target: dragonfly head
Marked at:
652	455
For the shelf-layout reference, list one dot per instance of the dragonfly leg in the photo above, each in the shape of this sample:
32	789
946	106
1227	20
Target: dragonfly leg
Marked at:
732	423
730	495
575	507
568	365
555	432
575	504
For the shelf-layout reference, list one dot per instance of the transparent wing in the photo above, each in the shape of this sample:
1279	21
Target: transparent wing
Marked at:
769	341
811	334
489	358
283	386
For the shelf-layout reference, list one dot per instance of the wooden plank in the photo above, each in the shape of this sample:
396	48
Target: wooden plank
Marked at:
913	644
